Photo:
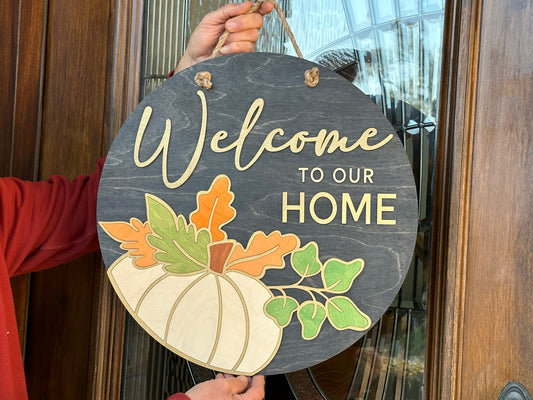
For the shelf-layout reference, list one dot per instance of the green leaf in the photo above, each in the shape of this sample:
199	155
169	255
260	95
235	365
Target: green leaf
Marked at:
281	309
312	315
338	276
180	246
305	261
344	314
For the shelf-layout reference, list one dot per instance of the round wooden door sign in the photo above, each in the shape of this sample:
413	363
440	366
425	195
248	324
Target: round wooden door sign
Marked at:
261	225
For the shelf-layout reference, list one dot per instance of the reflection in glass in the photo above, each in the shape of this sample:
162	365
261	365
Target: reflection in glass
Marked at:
390	50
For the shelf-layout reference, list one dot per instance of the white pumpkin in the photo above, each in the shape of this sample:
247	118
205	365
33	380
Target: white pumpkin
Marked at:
216	320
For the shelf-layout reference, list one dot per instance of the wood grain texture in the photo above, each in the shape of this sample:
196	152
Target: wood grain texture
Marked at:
27	120
107	342
75	81
30	68
122	95
61	324
446	303
9	24
240	81
498	314
20	84
480	314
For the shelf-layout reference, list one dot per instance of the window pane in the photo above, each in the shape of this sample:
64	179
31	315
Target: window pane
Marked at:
310	36
384	11
395	46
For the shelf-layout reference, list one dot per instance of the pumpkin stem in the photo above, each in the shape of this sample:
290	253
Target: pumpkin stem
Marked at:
218	255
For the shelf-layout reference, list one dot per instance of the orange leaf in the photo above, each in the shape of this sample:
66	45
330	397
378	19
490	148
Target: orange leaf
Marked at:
214	208
263	252
133	238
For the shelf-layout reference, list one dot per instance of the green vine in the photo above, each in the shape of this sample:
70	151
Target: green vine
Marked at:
337	278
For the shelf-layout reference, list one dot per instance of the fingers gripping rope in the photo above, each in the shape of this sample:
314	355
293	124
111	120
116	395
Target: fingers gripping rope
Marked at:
203	79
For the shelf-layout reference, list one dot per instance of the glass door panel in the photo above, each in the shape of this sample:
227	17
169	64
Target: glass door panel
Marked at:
391	51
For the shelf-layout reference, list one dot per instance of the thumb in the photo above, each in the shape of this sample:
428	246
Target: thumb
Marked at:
238	384
255	390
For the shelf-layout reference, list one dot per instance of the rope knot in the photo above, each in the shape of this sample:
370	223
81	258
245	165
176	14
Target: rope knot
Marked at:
203	79
311	77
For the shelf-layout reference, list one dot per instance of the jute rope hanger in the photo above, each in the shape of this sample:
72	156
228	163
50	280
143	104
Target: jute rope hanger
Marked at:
252	9
311	76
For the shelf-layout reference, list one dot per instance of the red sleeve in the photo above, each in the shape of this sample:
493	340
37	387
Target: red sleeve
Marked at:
179	396
47	223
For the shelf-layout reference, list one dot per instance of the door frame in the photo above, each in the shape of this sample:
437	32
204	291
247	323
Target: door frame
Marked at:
122	95
452	182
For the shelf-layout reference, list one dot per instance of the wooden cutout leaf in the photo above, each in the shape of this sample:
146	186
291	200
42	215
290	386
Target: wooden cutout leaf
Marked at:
281	309
181	246
312	315
344	314
305	261
133	239
338	276
214	208
263	252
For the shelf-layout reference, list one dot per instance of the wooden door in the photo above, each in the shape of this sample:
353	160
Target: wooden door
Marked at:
482	317
480	314
57	63
65	64
19	114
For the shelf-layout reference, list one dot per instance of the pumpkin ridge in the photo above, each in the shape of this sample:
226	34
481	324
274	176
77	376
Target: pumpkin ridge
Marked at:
148	289
219	323
247	320
178	300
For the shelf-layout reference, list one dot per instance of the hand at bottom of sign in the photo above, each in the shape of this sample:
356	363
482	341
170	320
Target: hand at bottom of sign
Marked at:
229	387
